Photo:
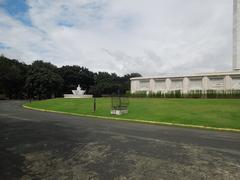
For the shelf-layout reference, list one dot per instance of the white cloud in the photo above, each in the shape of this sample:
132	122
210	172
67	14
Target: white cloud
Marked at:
147	36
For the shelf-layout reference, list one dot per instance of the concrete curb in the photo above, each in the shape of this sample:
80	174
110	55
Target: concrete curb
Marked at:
137	120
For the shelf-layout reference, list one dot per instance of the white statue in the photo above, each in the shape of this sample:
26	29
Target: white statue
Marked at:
79	91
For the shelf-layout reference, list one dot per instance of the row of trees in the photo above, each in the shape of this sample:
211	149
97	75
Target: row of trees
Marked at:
43	80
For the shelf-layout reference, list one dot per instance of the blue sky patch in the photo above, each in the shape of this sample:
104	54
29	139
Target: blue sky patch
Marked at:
65	23
3	46
17	9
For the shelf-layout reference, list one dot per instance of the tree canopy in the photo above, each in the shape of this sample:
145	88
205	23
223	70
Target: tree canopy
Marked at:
42	80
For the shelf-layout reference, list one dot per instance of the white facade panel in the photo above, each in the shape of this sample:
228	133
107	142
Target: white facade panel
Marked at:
195	84
144	85
160	85
177	85
216	83
236	83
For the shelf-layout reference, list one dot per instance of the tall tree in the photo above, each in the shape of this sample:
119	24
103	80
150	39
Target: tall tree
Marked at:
43	81
12	77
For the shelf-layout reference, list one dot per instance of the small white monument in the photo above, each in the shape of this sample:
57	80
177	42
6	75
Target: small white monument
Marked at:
78	93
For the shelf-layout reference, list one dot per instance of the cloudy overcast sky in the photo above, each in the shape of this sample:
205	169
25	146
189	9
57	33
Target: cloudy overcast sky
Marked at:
152	37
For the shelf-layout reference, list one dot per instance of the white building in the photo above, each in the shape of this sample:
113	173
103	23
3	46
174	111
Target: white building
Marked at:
204	81
187	83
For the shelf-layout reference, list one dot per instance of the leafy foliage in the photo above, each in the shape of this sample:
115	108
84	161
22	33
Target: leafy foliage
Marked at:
12	77
43	83
74	75
42	80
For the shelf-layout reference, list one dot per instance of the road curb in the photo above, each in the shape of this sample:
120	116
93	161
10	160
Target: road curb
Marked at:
137	120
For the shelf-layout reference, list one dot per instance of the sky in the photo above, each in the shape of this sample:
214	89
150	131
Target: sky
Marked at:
151	37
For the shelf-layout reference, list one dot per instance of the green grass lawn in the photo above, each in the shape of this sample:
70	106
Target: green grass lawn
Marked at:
222	113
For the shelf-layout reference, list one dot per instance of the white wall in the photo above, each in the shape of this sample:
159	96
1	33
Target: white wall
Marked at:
186	84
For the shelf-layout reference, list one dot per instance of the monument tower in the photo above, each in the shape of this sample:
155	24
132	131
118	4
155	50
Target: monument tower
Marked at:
236	35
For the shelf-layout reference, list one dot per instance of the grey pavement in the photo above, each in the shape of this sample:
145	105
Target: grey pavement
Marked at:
40	145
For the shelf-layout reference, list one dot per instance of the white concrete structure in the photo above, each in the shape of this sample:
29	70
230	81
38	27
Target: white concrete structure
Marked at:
79	93
205	81
119	112
236	35
186	83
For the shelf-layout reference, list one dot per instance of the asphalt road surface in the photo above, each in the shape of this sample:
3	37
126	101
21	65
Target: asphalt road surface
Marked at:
39	145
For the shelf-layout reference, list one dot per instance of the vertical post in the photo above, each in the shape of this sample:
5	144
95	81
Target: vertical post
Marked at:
94	104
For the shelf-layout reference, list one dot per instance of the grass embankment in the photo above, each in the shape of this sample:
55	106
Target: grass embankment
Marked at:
220	113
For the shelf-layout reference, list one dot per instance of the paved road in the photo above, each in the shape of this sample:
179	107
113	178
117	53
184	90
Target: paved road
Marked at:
38	145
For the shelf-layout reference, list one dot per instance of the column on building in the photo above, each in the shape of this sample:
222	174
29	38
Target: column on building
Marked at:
152	85
227	83
168	84
205	82
185	85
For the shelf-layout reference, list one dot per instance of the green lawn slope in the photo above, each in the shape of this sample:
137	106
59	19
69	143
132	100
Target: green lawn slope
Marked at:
220	113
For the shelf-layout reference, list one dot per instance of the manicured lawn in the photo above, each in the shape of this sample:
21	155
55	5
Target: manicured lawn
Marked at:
205	112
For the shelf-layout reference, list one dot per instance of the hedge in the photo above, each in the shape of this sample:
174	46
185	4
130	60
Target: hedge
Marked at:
210	94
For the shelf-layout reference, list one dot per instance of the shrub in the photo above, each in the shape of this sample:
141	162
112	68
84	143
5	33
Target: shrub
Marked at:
211	94
139	94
